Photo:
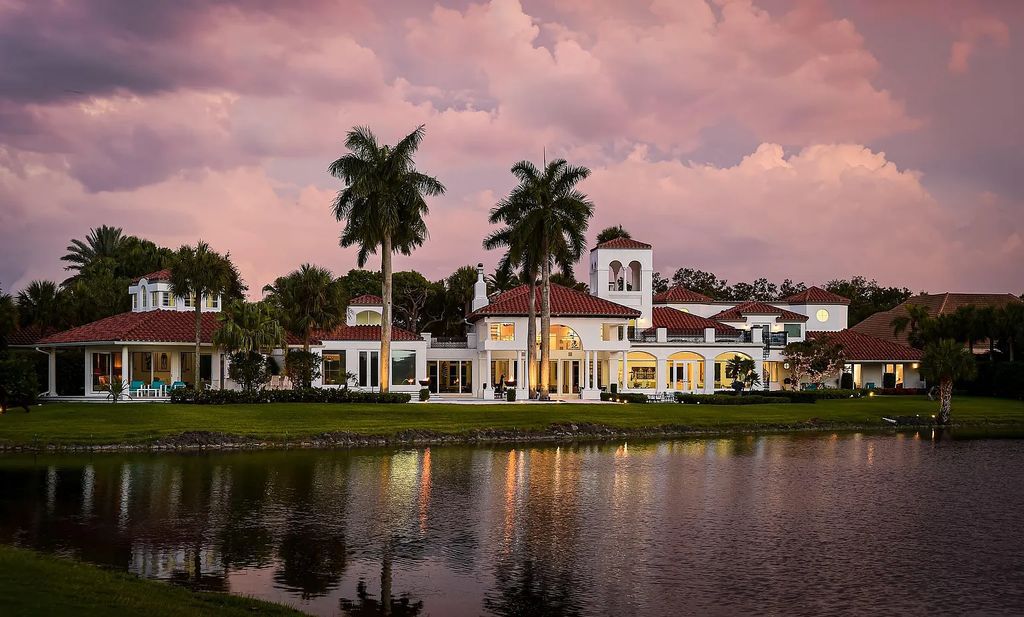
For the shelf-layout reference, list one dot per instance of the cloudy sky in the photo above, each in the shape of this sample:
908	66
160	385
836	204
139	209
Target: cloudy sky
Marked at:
769	137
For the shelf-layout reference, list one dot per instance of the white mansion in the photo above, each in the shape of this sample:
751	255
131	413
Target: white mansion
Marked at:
621	333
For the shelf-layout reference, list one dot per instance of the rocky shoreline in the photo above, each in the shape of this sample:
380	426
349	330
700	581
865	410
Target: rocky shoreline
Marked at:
556	433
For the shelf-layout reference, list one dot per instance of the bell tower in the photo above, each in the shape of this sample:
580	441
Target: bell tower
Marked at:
622	271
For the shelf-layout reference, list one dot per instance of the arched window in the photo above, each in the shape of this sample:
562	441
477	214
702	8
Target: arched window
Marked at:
634	276
367	318
563	338
615	276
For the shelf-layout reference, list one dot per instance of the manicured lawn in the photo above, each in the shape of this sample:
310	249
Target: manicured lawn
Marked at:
35	584
102	423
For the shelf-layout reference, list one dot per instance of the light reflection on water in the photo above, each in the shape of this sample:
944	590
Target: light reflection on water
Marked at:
822	524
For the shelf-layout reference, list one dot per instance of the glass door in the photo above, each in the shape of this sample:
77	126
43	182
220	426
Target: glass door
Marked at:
369	369
570	377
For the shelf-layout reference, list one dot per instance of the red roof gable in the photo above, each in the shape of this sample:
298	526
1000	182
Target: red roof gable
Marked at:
753	307
366	300
679	295
28	336
147	326
816	295
859	347
159	275
681	322
622	243
364	333
564	302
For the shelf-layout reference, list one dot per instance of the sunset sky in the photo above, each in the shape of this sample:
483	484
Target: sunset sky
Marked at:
810	140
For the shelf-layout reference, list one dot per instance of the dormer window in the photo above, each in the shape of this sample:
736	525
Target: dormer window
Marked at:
167	300
212	301
189	300
135	302
155	299
144	297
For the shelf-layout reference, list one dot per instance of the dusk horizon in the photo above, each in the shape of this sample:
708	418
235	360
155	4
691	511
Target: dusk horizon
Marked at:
809	141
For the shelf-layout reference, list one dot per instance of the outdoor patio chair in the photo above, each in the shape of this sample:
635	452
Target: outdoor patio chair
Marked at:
136	386
158	385
178	385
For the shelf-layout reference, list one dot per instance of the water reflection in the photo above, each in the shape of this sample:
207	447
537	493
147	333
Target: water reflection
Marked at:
814	524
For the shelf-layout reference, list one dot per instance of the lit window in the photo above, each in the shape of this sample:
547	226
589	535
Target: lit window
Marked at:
333	368
168	299
503	332
822	315
403	368
368	318
211	301
155	298
189	301
143	297
135	301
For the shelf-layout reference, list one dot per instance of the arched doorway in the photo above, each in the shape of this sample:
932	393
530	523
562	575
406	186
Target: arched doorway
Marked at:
722	380
685	372
565	368
640	372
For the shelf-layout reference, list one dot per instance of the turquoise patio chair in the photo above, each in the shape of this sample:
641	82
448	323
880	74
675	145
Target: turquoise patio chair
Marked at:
157	384
135	386
178	385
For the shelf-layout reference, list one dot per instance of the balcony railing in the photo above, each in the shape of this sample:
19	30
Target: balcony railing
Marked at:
743	336
449	342
777	339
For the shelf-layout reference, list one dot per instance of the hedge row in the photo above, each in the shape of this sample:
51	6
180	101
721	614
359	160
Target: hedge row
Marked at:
628	397
728	399
300	395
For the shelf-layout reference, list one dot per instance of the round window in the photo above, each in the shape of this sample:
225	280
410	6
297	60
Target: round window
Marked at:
822	315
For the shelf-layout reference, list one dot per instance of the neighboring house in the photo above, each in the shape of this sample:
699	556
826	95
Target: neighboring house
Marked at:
880	324
621	335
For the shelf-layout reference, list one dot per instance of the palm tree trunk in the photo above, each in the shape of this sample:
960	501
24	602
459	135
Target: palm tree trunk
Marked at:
545	323
946	400
198	386
531	338
385	318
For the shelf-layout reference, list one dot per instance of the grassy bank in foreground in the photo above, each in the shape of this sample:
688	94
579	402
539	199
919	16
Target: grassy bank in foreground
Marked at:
94	423
35	584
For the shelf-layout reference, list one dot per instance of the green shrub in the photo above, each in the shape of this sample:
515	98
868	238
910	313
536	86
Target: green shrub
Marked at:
18	383
625	397
302	367
249	369
728	399
510	395
300	395
889	381
424	394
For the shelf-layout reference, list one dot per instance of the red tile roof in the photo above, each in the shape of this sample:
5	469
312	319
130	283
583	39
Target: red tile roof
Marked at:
880	324
681	322
28	336
366	300
680	295
564	302
816	295
159	275
859	347
364	333
147	326
753	307
622	243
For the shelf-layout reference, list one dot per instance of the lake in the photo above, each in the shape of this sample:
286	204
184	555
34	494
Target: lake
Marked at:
786	524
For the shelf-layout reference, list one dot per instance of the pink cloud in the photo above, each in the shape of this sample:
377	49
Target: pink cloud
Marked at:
973	32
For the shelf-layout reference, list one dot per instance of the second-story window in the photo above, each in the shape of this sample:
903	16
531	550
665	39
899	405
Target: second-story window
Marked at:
135	301
155	299
503	332
167	299
211	301
144	296
189	301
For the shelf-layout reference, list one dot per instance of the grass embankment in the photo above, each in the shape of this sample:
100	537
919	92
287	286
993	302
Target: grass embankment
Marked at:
63	424
35	584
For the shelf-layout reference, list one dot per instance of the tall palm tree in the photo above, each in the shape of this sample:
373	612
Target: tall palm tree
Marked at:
382	206
547	207
504	277
946	361
101	242
42	304
200	272
308	299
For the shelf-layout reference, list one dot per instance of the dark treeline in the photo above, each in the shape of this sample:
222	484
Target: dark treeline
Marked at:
866	296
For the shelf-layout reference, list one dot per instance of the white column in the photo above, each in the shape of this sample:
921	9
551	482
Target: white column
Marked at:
88	372
613	370
214	370
625	370
586	371
709	375
488	391
659	374
51	372
125	364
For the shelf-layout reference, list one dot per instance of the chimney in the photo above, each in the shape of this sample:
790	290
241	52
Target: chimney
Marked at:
479	289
